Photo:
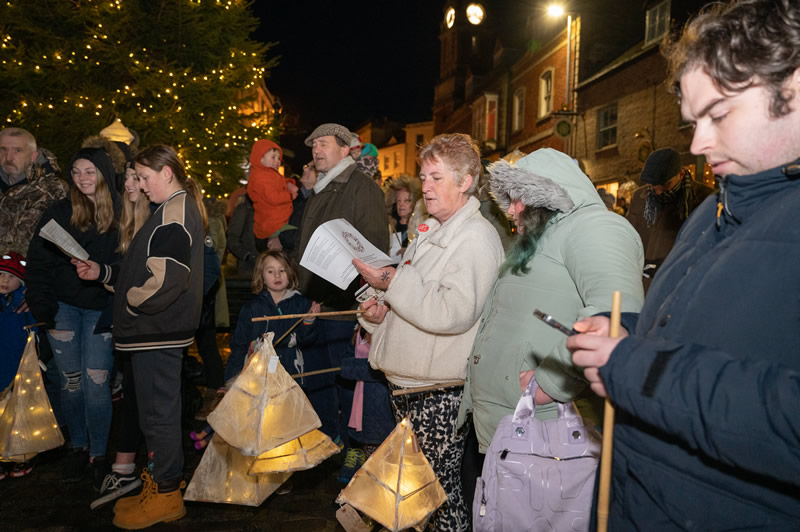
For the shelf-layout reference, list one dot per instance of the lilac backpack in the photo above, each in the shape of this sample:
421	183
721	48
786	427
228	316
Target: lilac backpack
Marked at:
538	475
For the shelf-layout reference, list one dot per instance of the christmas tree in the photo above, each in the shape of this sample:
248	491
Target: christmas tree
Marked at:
179	72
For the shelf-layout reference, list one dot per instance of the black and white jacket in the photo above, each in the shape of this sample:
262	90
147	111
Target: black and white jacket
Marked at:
159	289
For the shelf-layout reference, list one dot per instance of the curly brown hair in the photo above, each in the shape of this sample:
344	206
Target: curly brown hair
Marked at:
458	151
741	44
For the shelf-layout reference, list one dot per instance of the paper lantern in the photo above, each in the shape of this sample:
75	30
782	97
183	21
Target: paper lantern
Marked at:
27	424
265	407
222	477
396	485
301	453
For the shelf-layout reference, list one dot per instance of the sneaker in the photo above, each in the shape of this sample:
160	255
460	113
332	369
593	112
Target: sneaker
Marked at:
20	469
149	508
100	468
75	468
114	486
353	460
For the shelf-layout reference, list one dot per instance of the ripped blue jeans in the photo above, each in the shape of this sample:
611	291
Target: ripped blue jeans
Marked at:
84	362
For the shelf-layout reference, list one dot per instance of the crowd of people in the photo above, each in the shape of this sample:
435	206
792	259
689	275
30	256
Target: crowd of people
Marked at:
704	374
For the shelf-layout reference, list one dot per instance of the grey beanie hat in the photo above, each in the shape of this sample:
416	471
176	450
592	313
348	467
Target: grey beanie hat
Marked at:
661	166
335	130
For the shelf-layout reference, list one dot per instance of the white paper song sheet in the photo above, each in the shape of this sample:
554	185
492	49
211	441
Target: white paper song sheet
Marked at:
331	251
58	235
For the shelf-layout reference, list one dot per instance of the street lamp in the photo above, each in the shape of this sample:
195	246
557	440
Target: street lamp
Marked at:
555	10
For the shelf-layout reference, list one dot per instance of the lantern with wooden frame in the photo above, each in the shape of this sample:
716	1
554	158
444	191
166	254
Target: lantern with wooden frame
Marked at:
396	486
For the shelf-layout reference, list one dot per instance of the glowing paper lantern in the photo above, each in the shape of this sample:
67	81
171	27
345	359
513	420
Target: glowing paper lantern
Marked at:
301	453
27	424
265	407
396	485
222	477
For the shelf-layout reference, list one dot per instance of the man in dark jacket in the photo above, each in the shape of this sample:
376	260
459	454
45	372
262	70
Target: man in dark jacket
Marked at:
341	191
659	208
706	380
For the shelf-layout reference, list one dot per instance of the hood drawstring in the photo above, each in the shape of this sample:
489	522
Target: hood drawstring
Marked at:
722	202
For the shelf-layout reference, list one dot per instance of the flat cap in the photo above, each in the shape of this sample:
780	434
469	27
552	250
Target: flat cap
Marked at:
661	166
335	130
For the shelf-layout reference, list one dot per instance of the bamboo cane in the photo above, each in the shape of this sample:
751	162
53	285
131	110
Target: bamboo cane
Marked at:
308	315
608	430
439	386
315	372
32	325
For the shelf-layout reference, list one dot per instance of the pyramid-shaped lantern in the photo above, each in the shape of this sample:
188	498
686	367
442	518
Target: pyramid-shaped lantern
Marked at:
27	424
265	407
301	453
396	485
222	477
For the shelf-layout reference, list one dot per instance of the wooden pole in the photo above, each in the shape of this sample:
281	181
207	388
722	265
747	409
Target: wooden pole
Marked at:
315	372
276	342
608	430
32	325
439	386
308	315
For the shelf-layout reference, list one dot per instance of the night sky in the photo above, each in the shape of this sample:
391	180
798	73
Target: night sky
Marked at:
350	62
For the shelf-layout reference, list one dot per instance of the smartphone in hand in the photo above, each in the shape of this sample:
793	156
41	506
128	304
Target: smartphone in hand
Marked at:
552	322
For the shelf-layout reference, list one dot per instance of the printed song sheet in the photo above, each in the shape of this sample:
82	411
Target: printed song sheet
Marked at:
331	251
58	235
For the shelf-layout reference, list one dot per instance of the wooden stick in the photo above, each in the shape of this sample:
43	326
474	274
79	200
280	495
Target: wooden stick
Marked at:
276	342
608	430
315	372
32	325
308	315
439	386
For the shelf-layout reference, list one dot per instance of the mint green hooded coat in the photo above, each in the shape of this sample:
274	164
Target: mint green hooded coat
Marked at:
585	253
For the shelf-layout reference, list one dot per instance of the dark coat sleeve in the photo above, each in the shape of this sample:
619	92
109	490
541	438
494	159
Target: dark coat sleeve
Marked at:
741	413
38	276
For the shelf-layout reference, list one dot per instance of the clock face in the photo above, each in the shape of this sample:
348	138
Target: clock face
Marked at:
450	17
475	13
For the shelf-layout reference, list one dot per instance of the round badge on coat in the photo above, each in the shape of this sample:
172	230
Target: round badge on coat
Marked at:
422	228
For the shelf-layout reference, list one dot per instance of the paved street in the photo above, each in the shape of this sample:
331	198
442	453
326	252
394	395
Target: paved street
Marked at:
41	501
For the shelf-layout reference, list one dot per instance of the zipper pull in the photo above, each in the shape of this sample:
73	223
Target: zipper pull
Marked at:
719	212
504	454
482	511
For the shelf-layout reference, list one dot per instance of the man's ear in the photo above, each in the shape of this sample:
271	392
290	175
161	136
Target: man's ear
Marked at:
34	156
465	183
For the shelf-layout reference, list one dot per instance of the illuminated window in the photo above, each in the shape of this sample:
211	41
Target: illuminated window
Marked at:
546	93
607	126
657	22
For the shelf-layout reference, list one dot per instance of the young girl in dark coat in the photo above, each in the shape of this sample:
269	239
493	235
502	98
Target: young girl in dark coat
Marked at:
275	285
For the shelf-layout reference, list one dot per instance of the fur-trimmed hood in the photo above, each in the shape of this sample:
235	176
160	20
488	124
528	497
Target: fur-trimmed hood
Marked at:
545	178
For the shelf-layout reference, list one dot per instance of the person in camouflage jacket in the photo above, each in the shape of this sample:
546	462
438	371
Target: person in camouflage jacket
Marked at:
29	181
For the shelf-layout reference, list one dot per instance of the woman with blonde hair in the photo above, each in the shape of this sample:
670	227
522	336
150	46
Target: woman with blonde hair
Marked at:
72	308
402	194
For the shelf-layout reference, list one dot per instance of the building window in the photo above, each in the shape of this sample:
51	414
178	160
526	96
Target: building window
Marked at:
518	109
607	126
484	119
396	161
657	22
386	163
546	93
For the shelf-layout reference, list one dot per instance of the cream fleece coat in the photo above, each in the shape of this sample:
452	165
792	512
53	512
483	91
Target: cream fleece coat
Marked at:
436	298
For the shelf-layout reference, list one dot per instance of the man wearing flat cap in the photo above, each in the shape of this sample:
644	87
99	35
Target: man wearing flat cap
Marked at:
341	191
659	208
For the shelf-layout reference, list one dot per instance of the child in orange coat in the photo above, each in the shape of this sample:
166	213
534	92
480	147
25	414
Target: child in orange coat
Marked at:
270	192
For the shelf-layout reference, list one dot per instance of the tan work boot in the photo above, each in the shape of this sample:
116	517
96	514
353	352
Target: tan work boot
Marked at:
150	508
148	485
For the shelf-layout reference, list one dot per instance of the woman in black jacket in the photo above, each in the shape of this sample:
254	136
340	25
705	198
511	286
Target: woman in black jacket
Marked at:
72	308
